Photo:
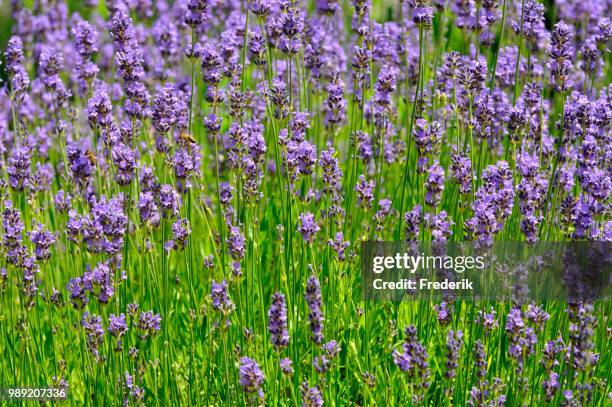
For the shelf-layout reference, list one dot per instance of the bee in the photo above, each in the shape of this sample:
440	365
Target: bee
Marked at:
91	156
187	138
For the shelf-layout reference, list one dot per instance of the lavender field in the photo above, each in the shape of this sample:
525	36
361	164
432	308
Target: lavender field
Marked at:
185	187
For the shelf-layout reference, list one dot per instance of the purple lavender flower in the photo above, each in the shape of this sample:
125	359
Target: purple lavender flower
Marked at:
532	26
105	227
522	339
480	360
461	169
291	22
257	48
413	222
311	396
443	313
169	201
302	155
365	192
277	321
220	298
412	360
335	105
440	226
13	234
385	86
454	341
251	377
166	37
603	31
493	204
487	319
92	324
537	316
85	37
80	165
422	13
42	240
581	353
184	167
51	62
256	142
129	66
181	230
261	8
18	168
308	227
426	138
117	325
14	56
551	385
29	283
100	282
324	362
149	212
99	109
136	393
315	314
236	243
78	293
212	64
434	185
164	114
561	53
148	324
339	245
590	56
286	366
121	29
125	163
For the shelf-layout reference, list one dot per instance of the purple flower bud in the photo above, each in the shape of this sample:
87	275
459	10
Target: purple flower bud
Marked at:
149	212
251	377
277	321
148	324
13	55
422	13
164	109
365	192
561	53
454	341
434	185
18	168
236	243
339	245
62	201
180	232
125	162
308	227
315	314
117	325
324	362
335	105
311	396
85	37
286	366
92	324
42	240
412	360
169	201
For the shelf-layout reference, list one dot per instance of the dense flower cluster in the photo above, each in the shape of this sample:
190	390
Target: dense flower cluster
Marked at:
187	189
